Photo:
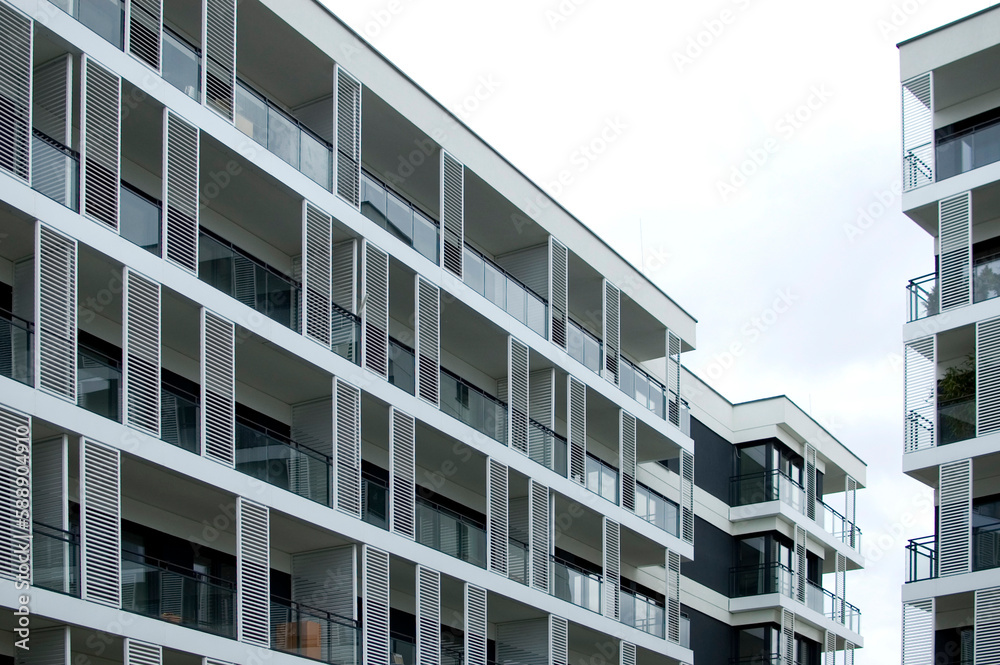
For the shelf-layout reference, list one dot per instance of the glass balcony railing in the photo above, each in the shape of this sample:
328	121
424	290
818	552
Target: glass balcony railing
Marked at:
584	347
447	531
313	633
643	388
399	216
602	479
517	560
986	277
838	525
55	559
374	501
279	461
179	419
401	366
105	17
346	334
574	584
16	356
55	170
98	383
657	509
163	591
956	420
641	612
760	580
502	289
766	486
921	559
140	219
249	280
283	135
547	448
181	64
967	150
986	547
482	412
922	297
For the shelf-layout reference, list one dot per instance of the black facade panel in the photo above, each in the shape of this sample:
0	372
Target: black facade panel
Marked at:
713	461
714	557
711	640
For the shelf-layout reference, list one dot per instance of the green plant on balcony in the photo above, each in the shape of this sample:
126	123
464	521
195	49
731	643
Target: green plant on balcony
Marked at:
986	282
957	402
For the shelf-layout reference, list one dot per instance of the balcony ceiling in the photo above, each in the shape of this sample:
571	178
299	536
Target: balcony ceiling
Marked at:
293	535
495	224
602	421
966	78
501	609
142	139
473	338
184	16
586	295
642	336
164	489
985	208
447	459
181	328
20	240
99	279
275	372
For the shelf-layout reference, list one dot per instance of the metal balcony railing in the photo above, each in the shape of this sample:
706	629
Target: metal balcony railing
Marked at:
474	407
956	420
643	388
55	559
140	218
98	383
282	462
179	418
585	347
16	348
922	297
447	531
181	64
397	214
547	447
105	17
55	170
657	509
602	478
346	334
642	612
313	633
402	366
760	580
517	560
374	500
921	559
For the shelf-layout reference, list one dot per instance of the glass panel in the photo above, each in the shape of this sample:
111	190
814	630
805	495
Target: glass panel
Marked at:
54	171
450	533
140	220
515	300
400	218
315	160
609	484
215	264
375	502
592	354
181	65
15	348
986	279
576	586
105	17
282	137
537	316
495	284
346	335
987	146
641	394
425	237
179	419
626	380
401	367
472	407
593	475
372	200
657	400
474	272
98	383
283	463
55	558
251	115
312	633
574	343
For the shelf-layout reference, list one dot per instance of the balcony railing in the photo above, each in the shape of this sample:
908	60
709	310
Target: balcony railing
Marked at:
585	347
921	559
956	420
986	547
401	366
313	633
140	219
55	170
249	280
179	419
657	509
399	216
346	334
474	407
917	169
181	64
760	580
922	297
280	461
546	447
602	479
517	560
826	603
505	291
766	486
449	532
643	388
969	149
16	356
163	591
761	659
642	612
99	383
105	17
838	525
402	649
574	584
55	559
374	501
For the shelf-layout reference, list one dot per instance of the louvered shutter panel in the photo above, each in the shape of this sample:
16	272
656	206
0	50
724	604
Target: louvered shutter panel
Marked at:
452	214
375	310
49	500
612	568
142	353
182	147
51	114
673	378
577	417
558	640
219	67
987	376
100	143
840	588
345	275
428	341
955	518
253	572
918	632
348	446
986	643
402	472
787	637
56	306
920	385
15	463
348	137
539	534
16	46
673	596
47	646
218	388
496	532
142	653
801	570
558	291
918	131
850	510
848	653
627	652
955	235
375	580
428	616
627	437
829	648
100	523
811	482
144	29
612	331
541	409
517	386
687	496
316	273
475	625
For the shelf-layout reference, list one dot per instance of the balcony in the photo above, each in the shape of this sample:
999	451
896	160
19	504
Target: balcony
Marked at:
346	334
642	387
968	149
451	533
760	580
179	419
16	355
55	171
374	500
163	591
313	633
956	420
921	559
546	447
279	461
602	479
399	216
838	525
401	366
585	347
181	64
574	584
644	613
826	603
105	17
505	291
99	383
922	292
474	407
657	509
140	219
766	486
55	559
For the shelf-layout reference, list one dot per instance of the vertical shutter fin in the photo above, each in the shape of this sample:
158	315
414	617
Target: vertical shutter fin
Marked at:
57	311
539	534
142	353
317	273
348	447
918	632
375	582
577	417
452	214
475	625
558	640
100	144
687	496
375	312
219	65
497	519
627	437
987	376
218	388
253	569
558	291
100	523
181	155
348	137
920	386
673	600
16	33
517	388
428	341
612	331
955	237
955	518
918	131
612	569
145	27
428	616
402	472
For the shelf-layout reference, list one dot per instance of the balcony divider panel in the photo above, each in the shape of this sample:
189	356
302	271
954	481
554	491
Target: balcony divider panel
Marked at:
955	238
955	518
427	340
52	100
100	523
577	428
673	596
181	155
673	378
986	642
558	640
452	214
687	496
428	604
801	571
317	265
920	392
627	439
840	582
375	599
218	71
253	572
496	524
524	642
402	473
558	292
918	131
348	92
347	472
517	388
541	409
141	339
15	522
56	312
810	456
375	310
918	632
849	653
987	376
612	331
787	637
100	142
475	625
49	473
46	646
218	388
851	509
16	50
144	31
539	534
612	568
626	652
142	653
830	649
345	275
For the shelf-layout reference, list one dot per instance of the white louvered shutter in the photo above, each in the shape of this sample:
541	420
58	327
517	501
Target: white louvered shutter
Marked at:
987	376
345	275
787	637
920	385
840	587
558	291
627	439
142	653
428	340
218	388
348	447
811	482
52	115
541	409
402	473
687	496
986	643
375	310
428	616
851	510
848	653
558	640
577	417
56	306
918	632
475	625
918	131
100	523
218	36
496	525
955	236
627	652
801	564
15	463
673	596
673	378
100	143
955	518
144	30
517	388
317	264
830	648
375	583
16	46
348	137
612	569
253	572
539	534
142	353
47	646
612	331
49	506
181	155
452	214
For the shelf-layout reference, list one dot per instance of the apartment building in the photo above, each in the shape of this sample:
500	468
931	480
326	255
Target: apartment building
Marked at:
951	177
294	367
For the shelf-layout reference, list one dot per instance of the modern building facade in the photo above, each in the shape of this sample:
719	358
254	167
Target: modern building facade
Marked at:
294	367
951	178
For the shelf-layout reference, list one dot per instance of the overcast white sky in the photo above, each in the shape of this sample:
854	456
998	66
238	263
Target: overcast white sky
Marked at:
808	90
